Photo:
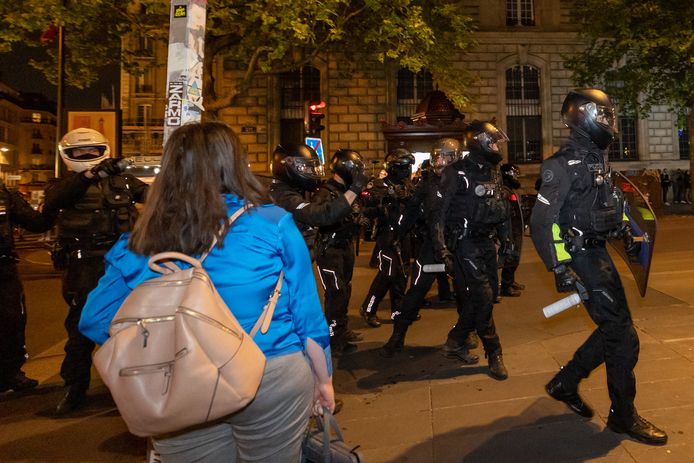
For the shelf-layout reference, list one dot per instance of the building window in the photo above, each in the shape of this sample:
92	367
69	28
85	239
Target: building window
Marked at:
523	114
36	148
683	138
143	82
623	148
412	88
36	134
36	118
144	114
296	89
520	13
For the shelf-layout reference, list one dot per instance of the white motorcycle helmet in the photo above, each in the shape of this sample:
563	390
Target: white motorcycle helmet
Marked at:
75	149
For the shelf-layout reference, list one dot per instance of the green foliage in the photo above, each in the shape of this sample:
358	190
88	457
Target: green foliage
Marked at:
267	36
641	50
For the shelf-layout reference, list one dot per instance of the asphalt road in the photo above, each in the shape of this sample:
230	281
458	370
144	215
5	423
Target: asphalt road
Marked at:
419	406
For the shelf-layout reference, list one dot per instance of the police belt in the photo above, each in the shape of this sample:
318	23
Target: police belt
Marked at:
594	242
468	233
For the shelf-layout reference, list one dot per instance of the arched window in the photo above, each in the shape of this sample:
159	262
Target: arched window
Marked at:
524	114
296	89
412	88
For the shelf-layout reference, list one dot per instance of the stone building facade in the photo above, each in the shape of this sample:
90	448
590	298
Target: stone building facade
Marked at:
521	83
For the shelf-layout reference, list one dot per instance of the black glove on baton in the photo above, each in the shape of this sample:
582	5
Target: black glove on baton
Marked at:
565	278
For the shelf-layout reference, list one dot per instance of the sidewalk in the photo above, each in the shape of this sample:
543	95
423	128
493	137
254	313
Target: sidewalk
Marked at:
420	406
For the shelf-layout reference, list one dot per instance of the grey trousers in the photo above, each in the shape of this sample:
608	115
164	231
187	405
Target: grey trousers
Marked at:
270	429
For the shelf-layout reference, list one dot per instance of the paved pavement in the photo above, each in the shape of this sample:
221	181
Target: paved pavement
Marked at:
419	406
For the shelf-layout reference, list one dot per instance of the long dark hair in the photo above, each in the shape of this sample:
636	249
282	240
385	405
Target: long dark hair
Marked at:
185	208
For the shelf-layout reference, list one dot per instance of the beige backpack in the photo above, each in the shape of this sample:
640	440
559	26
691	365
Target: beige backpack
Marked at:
177	356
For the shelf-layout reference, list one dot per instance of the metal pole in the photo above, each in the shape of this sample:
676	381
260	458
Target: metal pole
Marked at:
61	94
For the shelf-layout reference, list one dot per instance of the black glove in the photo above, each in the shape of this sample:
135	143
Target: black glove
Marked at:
109	167
359	181
565	278
508	255
446	258
631	247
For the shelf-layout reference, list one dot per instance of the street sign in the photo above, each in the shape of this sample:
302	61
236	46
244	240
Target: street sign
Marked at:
317	146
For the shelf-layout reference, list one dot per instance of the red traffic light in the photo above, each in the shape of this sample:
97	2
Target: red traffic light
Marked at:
315	107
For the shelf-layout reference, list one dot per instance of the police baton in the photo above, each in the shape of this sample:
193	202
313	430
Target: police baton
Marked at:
567	302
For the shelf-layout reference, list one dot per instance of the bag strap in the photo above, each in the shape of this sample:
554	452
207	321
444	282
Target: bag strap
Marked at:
327	425
263	323
230	221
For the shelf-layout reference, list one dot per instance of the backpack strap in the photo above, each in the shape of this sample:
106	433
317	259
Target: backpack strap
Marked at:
263	323
230	221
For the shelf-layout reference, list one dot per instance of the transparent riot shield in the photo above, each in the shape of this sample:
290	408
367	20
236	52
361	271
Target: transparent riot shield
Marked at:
642	220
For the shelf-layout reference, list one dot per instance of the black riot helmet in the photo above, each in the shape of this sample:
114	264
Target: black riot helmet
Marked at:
297	165
399	164
589	110
445	151
482	139
510	173
344	162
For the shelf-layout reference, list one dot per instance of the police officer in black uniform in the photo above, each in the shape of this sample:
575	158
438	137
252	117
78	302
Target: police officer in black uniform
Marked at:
577	210
470	214
335	252
444	152
385	202
96	203
297	171
14	210
509	286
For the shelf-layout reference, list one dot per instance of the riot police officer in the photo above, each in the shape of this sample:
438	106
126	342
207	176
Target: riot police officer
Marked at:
96	203
335	251
470	214
386	202
444	152
509	286
14	210
296	171
577	210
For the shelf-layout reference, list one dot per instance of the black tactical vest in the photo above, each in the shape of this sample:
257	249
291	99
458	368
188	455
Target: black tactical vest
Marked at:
106	210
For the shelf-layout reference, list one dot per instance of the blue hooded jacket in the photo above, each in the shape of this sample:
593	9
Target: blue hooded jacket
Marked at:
262	241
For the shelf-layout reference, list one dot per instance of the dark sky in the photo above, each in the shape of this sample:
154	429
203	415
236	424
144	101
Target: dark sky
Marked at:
17	73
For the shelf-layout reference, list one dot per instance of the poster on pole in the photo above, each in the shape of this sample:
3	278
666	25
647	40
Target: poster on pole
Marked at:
184	67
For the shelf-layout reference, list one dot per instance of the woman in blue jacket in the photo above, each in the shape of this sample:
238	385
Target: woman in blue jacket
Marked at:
204	178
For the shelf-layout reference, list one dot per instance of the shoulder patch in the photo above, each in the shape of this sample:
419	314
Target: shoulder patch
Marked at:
547	176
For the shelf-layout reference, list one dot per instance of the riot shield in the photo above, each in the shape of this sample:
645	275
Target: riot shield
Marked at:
642	221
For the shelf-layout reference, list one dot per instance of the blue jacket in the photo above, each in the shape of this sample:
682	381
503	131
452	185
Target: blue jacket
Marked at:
262	241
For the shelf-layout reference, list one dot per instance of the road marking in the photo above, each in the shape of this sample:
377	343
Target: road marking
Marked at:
678	339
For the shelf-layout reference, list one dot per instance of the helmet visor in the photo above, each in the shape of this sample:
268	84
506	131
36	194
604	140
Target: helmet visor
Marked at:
85	153
308	167
603	115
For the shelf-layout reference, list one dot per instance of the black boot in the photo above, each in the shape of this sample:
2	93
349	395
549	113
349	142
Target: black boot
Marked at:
74	399
638	428
396	342
510	292
471	340
558	391
370	319
497	370
454	350
18	383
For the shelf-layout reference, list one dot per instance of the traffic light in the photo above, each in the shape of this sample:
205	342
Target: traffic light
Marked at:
315	119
